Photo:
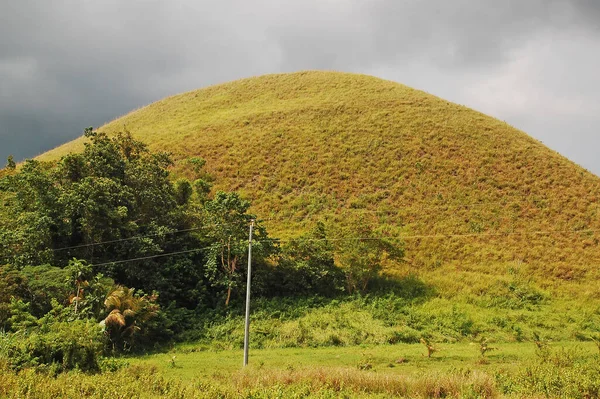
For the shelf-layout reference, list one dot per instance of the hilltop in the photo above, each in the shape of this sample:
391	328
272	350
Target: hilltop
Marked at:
468	192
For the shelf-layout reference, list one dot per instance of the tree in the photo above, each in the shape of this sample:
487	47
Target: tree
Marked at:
88	289
360	252
306	266
77	276
112	202
227	221
10	163
127	314
431	348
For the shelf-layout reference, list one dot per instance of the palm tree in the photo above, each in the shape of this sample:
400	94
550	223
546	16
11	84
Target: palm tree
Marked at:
127	314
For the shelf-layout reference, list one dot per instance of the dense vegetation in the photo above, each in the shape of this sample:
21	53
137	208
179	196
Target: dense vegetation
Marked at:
104	253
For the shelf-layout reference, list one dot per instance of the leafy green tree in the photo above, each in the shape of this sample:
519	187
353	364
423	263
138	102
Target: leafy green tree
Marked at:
361	251
20	318
78	271
44	284
88	290
13	285
57	346
306	266
227	221
10	163
112	202
202	180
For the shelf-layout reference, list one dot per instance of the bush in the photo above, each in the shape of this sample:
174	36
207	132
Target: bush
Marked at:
57	347
560	373
305	267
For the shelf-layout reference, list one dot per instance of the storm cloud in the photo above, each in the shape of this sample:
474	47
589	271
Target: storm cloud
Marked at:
66	65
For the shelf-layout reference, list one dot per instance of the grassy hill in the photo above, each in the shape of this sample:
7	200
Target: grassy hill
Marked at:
470	194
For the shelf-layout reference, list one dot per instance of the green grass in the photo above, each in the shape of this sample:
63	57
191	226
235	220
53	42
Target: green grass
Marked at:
194	361
567	369
385	320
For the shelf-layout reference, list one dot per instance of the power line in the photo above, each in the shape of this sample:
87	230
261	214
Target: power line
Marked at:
140	237
420	236
127	239
417	236
151	256
404	237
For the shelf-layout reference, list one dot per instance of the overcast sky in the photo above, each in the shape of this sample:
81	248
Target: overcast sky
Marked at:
65	65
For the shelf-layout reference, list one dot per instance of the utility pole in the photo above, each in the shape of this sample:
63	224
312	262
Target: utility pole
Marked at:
247	330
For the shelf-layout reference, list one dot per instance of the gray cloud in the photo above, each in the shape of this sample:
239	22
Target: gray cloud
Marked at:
68	64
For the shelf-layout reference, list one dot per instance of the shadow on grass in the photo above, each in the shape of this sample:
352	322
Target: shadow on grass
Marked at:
410	287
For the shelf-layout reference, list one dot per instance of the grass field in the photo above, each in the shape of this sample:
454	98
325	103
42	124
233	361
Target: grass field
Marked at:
189	361
518	370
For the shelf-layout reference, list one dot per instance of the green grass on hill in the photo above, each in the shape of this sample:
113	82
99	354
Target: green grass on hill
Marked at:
472	195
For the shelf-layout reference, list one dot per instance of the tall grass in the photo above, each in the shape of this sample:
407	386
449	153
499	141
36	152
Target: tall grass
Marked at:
556	374
135	382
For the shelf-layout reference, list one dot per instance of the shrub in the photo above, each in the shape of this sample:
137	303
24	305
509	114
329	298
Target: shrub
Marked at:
57	347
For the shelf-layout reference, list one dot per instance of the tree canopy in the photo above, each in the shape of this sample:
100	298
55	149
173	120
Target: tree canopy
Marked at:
115	206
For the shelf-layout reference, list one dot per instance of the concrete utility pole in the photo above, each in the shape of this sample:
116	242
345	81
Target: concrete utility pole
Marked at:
247	331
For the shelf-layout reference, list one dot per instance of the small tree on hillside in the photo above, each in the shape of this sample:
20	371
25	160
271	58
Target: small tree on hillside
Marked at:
596	339
484	346
431	348
10	163
360	252
227	222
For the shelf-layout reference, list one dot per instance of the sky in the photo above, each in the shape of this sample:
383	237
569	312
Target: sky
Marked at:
69	64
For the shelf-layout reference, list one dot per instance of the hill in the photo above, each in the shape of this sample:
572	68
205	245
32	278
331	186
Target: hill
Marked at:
471	195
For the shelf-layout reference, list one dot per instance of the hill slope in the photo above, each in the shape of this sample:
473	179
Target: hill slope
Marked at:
356	149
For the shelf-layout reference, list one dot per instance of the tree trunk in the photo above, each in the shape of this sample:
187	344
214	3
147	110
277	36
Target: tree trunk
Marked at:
76	297
228	296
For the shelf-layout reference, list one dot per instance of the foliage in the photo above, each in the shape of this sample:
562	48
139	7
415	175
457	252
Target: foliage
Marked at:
20	318
228	225
127	317
305	267
89	290
360	251
57	346
10	163
13	285
116	193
